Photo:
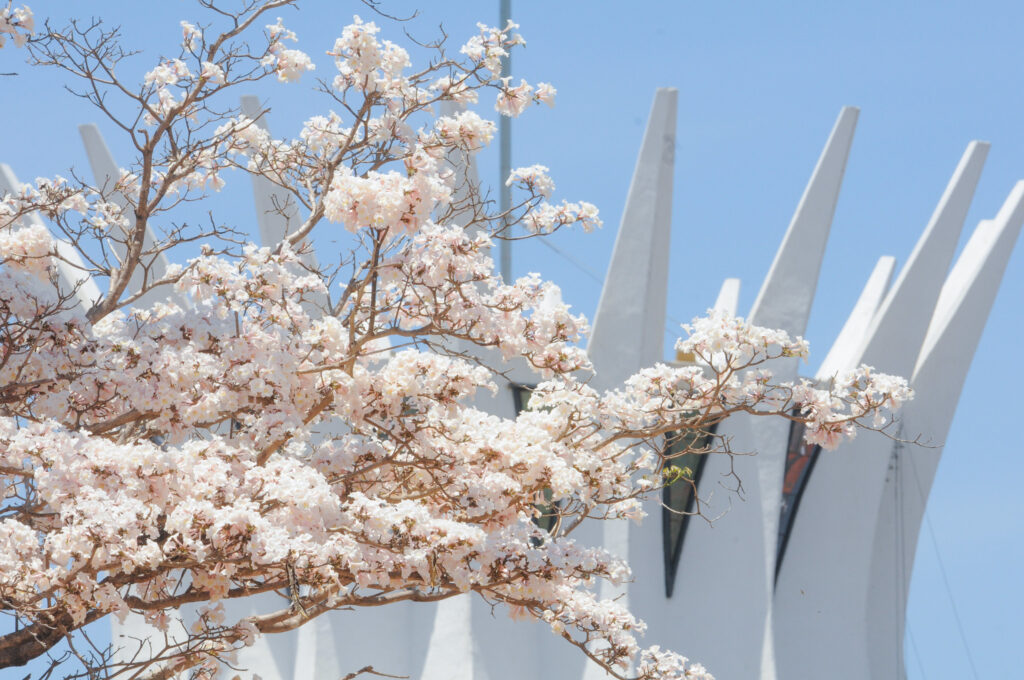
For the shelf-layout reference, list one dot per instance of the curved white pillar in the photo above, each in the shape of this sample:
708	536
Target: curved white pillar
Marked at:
105	174
728	299
277	213
822	585
71	270
953	336
629	326
852	335
728	565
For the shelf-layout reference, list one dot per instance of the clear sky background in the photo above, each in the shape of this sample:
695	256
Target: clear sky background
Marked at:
760	86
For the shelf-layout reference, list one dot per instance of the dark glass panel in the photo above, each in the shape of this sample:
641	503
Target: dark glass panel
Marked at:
800	459
684	468
521	396
548	518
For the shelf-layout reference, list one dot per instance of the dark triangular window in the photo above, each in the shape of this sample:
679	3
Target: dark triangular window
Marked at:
547	513
686	454
800	459
521	396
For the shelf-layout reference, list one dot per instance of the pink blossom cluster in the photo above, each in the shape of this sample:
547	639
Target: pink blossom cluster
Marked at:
271	425
16	23
27	248
385	201
535	178
490	45
465	130
288	64
366	63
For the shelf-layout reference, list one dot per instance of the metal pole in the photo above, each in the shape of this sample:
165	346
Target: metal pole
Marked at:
505	160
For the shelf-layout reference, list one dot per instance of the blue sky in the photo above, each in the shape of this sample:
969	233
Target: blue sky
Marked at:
759	88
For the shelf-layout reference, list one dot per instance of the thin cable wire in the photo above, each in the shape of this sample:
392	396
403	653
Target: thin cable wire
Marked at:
593	275
901	567
899	532
579	265
917	655
942	570
505	154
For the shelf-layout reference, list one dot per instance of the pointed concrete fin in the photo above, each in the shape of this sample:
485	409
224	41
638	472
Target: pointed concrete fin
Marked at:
70	267
629	327
463	164
894	339
316	654
966	300
260	655
964	270
105	174
728	297
788	291
276	210
450	655
851	337
953	336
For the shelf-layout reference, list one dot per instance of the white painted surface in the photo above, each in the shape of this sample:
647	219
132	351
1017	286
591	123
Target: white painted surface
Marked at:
785	298
728	299
822	588
277	212
70	267
629	325
852	335
953	336
723	611
628	336
727	566
106	173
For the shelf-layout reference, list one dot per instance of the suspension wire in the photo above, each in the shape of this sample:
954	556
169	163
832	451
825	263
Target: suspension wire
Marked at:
505	155
900	537
901	566
593	275
579	265
917	655
942	570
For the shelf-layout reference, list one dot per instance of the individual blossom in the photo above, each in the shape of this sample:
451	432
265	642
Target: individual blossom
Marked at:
289	64
512	101
545	94
191	36
16	23
213	73
27	248
535	178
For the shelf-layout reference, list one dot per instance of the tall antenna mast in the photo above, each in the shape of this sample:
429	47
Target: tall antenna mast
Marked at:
505	159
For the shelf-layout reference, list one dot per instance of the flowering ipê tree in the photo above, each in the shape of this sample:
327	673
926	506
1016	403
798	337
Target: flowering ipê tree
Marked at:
249	421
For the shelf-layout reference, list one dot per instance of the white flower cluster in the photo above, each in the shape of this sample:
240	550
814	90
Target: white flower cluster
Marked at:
465	130
535	178
27	248
364	62
289	64
16	23
546	218
385	201
251	434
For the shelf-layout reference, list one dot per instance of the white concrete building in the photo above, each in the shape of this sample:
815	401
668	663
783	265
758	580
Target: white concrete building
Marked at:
806	574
